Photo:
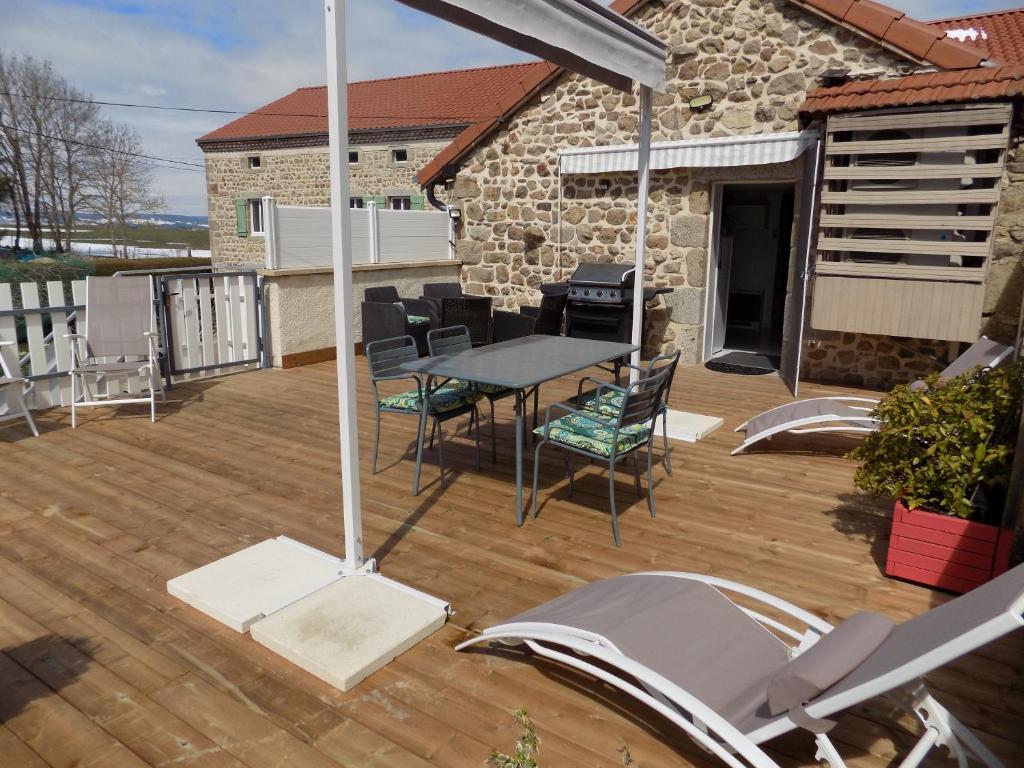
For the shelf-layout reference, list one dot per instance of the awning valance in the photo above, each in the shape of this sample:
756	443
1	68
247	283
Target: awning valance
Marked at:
730	151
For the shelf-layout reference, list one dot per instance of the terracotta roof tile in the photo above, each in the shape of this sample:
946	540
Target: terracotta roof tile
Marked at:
901	33
999	34
437	98
982	84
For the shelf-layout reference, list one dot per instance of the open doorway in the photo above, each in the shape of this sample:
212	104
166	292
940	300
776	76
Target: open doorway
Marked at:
749	275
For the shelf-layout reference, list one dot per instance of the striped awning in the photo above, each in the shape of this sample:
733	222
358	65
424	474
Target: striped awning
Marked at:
730	151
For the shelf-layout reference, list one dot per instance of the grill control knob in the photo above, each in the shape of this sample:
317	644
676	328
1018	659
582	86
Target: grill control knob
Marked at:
575	291
586	293
600	293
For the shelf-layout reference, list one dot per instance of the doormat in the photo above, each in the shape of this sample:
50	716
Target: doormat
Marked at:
744	364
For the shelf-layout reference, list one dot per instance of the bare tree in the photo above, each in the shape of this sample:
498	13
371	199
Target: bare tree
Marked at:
119	183
69	160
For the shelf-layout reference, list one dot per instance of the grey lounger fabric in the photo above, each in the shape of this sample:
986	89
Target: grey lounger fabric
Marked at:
684	630
119	314
984	353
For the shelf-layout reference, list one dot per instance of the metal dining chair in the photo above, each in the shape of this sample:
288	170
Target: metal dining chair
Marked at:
451	341
445	402
607	437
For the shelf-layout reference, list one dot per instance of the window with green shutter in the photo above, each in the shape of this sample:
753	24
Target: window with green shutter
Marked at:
417	202
241	217
381	201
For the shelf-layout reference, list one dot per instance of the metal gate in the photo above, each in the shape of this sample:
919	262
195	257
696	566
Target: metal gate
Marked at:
211	323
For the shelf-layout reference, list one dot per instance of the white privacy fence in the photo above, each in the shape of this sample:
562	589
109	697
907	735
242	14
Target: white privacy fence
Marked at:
299	237
209	324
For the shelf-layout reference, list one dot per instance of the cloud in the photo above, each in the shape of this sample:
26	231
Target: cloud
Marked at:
241	54
235	55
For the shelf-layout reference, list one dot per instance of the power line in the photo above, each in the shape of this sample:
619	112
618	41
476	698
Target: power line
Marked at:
87	145
161	107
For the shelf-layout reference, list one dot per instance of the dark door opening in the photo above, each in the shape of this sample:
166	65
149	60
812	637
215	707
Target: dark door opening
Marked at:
754	244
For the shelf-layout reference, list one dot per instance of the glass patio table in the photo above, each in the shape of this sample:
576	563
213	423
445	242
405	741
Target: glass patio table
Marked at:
521	365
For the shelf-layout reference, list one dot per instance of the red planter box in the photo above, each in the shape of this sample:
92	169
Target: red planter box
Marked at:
945	552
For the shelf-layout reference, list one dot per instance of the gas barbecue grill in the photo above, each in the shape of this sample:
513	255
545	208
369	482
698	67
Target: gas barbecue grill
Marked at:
601	302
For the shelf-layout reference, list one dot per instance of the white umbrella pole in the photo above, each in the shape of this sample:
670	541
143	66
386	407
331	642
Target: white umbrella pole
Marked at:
643	189
341	243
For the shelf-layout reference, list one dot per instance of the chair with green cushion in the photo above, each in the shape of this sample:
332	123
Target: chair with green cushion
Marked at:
451	341
610	402
620	431
385	358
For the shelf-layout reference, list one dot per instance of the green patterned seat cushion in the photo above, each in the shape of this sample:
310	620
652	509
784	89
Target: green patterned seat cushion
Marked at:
584	433
484	389
609	404
417	320
444	399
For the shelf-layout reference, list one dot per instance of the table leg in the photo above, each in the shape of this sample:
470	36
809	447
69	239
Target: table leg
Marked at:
520	418
420	434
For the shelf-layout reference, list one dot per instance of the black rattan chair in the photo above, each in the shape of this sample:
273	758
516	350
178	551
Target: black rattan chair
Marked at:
608	436
508	325
451	341
549	314
386	315
434	292
474	312
385	359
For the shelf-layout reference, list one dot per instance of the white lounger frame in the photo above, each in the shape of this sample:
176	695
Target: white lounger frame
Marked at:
149	369
823	423
719	737
16	406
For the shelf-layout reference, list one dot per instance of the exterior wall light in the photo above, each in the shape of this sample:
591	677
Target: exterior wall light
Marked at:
702	103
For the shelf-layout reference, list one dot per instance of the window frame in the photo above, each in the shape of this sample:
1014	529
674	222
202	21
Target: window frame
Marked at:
256	204
356	153
406	205
394	155
353	199
258	166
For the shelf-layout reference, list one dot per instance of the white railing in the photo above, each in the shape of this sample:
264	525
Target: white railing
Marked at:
300	237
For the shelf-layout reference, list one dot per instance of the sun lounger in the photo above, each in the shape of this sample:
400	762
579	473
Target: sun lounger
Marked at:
732	678
852	415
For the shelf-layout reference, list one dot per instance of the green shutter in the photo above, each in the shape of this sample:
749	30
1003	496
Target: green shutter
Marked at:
381	201
241	217
417	203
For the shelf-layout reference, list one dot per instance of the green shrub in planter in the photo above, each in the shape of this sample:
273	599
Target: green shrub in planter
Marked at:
949	448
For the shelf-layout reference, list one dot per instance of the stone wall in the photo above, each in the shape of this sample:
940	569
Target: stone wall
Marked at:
297	177
756	58
1004	288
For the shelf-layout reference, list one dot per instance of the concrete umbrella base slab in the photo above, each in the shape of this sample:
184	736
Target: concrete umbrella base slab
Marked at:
691	427
351	628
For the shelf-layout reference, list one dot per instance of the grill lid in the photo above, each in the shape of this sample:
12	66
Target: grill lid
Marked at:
614	275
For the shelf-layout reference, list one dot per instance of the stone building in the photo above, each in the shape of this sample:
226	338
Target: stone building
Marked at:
396	127
746	74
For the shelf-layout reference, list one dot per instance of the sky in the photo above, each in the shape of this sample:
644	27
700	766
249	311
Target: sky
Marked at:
241	54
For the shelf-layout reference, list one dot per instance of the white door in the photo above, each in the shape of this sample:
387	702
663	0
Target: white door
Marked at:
723	271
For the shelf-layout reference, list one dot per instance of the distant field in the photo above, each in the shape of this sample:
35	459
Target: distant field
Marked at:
141	236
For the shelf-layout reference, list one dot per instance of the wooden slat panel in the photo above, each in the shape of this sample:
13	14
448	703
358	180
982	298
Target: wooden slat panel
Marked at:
61	345
896	198
223	318
882	220
934	144
901	271
946	248
919	171
38	365
911	308
206	321
987	115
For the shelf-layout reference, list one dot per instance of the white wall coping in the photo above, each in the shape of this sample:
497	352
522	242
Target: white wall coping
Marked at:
360	268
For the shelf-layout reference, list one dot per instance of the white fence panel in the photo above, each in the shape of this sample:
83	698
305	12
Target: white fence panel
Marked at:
412	236
43	356
299	237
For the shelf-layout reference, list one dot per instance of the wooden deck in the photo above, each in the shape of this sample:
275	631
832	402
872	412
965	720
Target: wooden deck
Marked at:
100	667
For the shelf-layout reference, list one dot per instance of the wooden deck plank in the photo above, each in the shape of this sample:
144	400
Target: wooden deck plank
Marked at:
99	518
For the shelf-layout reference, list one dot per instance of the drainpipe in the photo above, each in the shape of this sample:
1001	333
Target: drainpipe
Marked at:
432	199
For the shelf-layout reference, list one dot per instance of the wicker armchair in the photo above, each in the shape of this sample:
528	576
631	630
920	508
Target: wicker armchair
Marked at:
506	326
474	312
386	315
549	314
